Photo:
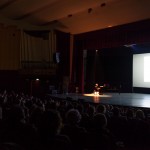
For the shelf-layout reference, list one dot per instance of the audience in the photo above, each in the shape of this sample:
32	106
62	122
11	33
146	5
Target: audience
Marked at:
30	123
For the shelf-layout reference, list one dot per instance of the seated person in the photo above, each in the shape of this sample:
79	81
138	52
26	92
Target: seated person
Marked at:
96	88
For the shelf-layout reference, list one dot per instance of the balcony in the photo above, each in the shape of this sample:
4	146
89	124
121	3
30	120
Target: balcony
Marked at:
38	68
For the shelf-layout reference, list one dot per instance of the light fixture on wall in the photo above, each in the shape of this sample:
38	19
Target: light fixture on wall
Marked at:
70	15
103	4
90	10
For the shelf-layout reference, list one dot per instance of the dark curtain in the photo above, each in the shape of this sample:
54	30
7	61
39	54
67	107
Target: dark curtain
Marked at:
78	67
63	47
137	32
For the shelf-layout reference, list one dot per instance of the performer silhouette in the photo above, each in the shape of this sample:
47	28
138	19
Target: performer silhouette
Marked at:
98	89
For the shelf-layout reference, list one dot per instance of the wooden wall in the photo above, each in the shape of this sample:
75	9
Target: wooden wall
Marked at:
9	48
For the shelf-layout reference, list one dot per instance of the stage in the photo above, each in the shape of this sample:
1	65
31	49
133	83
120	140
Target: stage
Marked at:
122	99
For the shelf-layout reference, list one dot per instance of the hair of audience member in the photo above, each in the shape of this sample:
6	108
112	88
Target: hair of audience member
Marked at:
16	114
130	113
101	109
107	107
99	121
73	116
116	111
69	106
1	113
51	105
80	108
50	123
140	114
91	110
111	107
10	146
36	115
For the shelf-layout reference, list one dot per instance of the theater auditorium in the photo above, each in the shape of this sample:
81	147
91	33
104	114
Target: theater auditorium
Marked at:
74	75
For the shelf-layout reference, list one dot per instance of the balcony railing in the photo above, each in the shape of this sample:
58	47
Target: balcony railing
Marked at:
38	68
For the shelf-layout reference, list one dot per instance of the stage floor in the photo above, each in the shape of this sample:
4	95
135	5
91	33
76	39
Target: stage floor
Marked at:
122	99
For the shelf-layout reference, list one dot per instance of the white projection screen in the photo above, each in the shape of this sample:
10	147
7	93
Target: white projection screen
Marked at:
141	70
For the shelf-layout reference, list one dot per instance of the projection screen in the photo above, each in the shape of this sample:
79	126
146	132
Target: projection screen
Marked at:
141	70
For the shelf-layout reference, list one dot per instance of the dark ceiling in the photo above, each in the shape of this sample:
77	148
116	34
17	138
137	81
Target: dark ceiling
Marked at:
74	16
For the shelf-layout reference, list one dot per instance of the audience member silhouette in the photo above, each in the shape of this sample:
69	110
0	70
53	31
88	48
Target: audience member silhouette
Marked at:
73	130
16	130
49	132
100	137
